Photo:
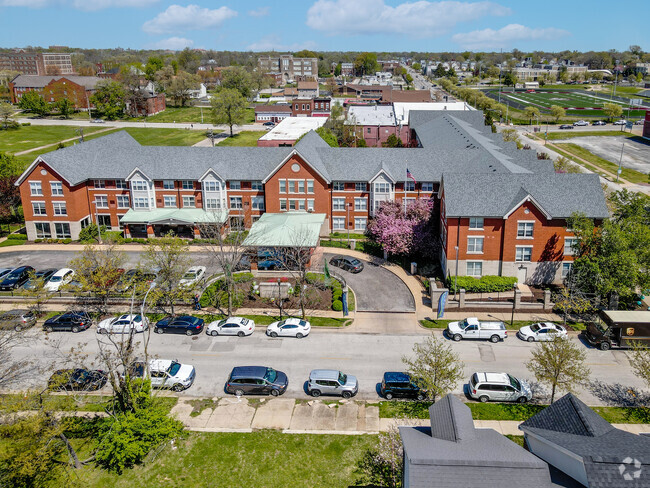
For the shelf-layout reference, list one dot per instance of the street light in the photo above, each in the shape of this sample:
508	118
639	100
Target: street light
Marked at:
456	276
151	287
99	231
620	162
514	299
280	296
347	224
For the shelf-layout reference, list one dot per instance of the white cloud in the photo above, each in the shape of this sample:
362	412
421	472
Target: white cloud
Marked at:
173	43
78	4
415	19
260	12
273	43
506	36
180	19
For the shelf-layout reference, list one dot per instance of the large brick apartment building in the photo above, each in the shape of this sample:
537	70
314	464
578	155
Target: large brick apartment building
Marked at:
40	64
146	191
77	89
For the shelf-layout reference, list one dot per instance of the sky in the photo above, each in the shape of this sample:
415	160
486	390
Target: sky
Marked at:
328	25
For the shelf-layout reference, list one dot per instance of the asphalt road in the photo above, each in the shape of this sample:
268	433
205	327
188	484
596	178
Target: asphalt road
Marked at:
635	154
363	355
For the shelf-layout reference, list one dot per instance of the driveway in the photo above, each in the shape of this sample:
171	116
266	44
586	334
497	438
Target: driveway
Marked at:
377	289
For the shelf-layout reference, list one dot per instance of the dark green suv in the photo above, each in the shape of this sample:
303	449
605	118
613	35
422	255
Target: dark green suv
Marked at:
400	385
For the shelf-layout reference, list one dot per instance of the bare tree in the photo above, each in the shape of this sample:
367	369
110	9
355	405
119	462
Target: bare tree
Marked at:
36	294
13	368
640	361
382	464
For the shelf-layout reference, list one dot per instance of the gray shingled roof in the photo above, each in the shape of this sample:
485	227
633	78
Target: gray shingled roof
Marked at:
452	453
494	195
34	81
571	425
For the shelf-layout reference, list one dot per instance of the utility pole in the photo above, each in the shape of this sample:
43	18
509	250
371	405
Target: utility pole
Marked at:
620	162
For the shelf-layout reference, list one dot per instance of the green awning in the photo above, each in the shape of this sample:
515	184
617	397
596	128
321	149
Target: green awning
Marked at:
288	229
174	216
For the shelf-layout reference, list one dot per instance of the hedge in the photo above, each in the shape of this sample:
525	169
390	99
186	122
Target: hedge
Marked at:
337	305
217	293
17	237
485	284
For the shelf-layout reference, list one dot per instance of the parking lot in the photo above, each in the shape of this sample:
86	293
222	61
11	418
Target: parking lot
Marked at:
636	153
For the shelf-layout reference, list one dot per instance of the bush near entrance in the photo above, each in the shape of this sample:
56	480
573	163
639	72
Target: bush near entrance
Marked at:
484	284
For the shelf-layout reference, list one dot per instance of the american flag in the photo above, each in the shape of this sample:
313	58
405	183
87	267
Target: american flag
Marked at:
409	175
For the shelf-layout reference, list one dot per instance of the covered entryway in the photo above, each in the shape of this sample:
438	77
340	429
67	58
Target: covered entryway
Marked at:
183	222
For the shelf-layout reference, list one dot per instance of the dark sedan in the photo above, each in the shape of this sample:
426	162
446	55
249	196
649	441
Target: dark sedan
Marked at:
352	265
183	324
566	126
16	278
77	380
41	276
73	321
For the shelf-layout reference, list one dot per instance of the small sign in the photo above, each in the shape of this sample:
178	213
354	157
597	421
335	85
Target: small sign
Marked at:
635	101
619	170
629	125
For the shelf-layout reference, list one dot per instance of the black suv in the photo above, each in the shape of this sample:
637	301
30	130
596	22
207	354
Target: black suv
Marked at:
352	265
74	321
256	380
16	278
183	324
400	385
77	380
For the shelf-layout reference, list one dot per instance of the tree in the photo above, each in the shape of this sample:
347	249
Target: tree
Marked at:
6	115
435	367
180	87
559	363
154	64
640	361
305	53
417	66
557	112
440	71
510	79
65	107
337	69
188	60
399	229
109	99
170	256
237	78
35	103
531	112
565	165
509	135
10	169
164	77
328	136
612	110
409	79
366	63
381	465
228	107
393	141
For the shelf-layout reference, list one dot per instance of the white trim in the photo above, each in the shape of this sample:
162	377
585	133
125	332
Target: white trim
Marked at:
137	170
31	167
528	198
385	173
210	170
294	152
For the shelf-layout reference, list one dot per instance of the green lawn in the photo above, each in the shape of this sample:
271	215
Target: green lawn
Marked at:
181	114
243	139
628	174
33	136
556	136
165	137
264	459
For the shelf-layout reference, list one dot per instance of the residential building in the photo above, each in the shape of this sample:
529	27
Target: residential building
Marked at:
646	125
292	69
578	442
39	64
200	92
77	89
389	66
402	109
347	69
289	130
149	103
453	157
375	124
384	93
307	89
452	453
272	113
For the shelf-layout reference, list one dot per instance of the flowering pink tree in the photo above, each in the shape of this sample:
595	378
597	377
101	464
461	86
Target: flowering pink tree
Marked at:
399	231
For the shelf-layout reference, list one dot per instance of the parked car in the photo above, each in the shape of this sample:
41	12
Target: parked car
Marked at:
353	265
269	123
72	321
17	319
58	279
165	373
123	324
97	121
269	264
499	387
599	122
639	122
619	328
15	278
400	385
42	275
291	327
580	123
256	380
182	324
332	382
193	276
5	271
541	331
566	126
620	122
77	380
472	328
238	326
135	275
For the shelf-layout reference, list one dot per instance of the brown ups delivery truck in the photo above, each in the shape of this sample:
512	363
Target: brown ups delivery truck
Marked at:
619	328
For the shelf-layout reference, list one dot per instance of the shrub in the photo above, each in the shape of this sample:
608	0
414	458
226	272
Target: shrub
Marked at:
128	240
38	240
114	236
67	240
17	237
26	124
485	284
337	305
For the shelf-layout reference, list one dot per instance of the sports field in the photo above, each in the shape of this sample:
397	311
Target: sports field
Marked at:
575	103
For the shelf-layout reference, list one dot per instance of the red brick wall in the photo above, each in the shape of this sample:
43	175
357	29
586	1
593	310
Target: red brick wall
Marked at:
56	90
302	106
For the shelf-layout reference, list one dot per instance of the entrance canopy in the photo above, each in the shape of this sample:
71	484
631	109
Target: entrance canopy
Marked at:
289	229
174	216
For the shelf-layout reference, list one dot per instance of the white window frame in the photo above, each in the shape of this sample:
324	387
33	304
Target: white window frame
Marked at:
409	185
283	186
257	185
301	205
310	186
426	186
283	204
522	260
212	204
62	234
474	264
382	187
189	201
566	270
236	203
187	185
101	201
40	206
338	223
99	184
301	186
257	203
43	234
358	220
140	185
476	223
121	199
168	185
360	186
60	208
121	185
472	249
525	227
36	188
569	245
360	204
211	186
56	187
338	186
235	185
169	201
292	204
310	204
338	204
141	202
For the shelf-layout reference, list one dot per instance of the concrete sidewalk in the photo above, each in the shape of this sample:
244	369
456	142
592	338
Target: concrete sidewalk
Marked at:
318	416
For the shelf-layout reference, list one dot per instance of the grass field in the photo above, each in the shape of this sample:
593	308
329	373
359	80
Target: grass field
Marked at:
32	136
264	459
243	139
166	137
557	136
575	104
192	115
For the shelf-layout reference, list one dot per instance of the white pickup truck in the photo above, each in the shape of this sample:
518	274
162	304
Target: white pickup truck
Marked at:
472	328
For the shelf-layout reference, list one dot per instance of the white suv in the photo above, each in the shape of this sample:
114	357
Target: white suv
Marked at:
166	373
499	387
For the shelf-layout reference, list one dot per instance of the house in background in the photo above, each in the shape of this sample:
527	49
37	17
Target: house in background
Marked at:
307	89
452	453
272	113
289	130
77	89
375	124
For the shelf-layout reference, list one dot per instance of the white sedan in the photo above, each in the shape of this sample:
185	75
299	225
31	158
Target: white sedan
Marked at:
123	324
58	279
193	276
542	331
289	328
238	326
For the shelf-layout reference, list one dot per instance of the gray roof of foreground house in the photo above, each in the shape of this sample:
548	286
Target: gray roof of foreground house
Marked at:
495	195
573	426
34	81
452	453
